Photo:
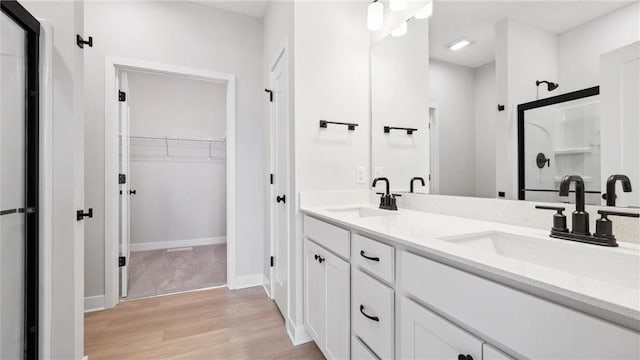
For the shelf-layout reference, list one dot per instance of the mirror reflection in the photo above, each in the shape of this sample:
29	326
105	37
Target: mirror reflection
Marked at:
504	99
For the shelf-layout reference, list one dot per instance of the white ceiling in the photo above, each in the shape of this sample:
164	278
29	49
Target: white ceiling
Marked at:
253	8
475	20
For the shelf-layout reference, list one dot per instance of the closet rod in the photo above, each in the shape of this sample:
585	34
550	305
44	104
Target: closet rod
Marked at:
165	138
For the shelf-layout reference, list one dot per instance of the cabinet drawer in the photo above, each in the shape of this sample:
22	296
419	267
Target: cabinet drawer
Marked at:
359	351
331	237
374	257
425	335
533	327
372	313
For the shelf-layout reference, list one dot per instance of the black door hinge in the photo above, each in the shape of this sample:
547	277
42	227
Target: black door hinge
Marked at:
270	94
271	179
122	261
80	214
429	177
81	42
122	96
273	261
122	179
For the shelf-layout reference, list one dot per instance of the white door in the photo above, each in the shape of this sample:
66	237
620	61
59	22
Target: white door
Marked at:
282	198
314	293
620	117
337	328
425	335
123	165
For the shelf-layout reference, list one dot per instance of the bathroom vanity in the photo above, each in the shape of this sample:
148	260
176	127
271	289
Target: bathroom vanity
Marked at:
405	284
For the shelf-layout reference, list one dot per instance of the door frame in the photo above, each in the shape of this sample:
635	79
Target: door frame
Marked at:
434	149
112	66
31	26
281	52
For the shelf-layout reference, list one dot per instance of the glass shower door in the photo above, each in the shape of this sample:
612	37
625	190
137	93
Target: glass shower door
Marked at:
12	188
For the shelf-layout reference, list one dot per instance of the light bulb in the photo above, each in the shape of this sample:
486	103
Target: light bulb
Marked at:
375	16
397	5
425	12
400	30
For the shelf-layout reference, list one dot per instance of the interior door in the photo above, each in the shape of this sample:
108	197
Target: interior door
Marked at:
125	193
283	199
18	183
620	129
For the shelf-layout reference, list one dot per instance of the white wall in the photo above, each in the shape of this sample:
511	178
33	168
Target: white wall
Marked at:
452	88
485	130
277	31
518	66
185	198
61	321
399	97
189	35
579	49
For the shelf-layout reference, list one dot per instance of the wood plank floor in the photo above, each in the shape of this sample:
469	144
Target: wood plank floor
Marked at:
209	324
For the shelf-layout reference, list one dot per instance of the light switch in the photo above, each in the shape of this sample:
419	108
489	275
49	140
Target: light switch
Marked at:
377	171
360	175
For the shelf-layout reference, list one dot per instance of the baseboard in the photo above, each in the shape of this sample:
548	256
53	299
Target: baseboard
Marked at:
298	334
265	284
157	245
245	281
94	303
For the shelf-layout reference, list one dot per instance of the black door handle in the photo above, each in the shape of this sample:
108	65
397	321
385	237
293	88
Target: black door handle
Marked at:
374	318
465	357
281	198
368	257
320	259
132	192
316	257
81	215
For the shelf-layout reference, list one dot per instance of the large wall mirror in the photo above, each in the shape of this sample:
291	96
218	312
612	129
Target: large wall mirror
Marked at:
502	99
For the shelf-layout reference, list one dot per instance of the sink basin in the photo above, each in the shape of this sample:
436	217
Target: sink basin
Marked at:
362	212
606	264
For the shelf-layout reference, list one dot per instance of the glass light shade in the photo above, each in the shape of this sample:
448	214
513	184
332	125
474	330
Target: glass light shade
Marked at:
397	5
425	12
375	16
400	30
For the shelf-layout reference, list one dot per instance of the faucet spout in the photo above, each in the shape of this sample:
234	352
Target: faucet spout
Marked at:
564	189
417	178
611	187
375	181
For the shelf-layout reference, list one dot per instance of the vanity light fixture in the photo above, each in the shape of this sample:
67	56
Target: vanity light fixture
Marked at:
458	44
375	15
425	12
400	30
397	5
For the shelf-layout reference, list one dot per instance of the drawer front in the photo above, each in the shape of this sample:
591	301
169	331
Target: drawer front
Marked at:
372	313
329	236
359	351
425	335
533	327
374	257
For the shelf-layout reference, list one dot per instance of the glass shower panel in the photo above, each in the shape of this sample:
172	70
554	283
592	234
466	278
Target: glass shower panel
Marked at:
12	190
562	139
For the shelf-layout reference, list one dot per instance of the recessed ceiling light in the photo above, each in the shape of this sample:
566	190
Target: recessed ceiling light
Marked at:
400	30
458	44
425	12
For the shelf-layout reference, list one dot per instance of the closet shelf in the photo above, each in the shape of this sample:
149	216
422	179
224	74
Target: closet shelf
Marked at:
170	138
573	151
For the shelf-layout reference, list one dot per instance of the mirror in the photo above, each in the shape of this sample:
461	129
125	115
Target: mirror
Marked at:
502	99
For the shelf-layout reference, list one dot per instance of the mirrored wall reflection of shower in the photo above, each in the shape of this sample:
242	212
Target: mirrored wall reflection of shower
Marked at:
563	139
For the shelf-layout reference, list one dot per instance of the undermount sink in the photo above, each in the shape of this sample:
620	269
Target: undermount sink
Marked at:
362	212
592	261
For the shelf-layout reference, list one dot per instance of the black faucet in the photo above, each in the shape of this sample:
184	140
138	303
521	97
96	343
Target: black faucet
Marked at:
387	200
610	196
414	179
580	217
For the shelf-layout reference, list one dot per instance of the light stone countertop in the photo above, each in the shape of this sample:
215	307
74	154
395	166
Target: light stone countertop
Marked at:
422	231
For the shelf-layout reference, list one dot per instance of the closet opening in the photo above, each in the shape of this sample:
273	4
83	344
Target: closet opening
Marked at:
171	219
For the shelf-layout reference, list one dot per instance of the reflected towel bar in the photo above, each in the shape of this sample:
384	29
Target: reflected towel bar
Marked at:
409	131
350	126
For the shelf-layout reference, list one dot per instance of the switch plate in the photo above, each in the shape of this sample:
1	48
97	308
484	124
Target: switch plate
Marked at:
377	171
360	175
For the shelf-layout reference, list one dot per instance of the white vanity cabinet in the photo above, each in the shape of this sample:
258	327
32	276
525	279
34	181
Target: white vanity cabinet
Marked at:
326	300
425	335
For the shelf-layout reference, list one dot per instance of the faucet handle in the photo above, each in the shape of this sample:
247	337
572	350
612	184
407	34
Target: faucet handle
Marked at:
605	213
396	195
559	219
604	227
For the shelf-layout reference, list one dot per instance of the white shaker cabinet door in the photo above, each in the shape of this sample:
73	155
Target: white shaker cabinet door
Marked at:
337	272
314	292
425	335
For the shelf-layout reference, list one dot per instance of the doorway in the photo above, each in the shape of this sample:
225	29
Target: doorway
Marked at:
19	161
171	149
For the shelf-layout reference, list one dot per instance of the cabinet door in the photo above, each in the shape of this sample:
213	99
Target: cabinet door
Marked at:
491	353
314	292
425	335
338	304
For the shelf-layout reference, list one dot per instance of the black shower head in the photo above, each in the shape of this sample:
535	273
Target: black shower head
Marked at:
550	85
